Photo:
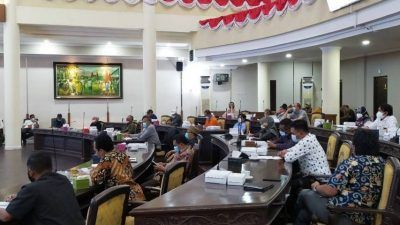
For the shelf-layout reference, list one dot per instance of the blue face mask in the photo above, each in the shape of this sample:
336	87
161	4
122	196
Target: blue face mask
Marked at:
187	136
282	133
294	138
144	125
176	149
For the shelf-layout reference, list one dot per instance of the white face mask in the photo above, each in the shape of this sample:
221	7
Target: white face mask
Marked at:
294	138
379	115
359	115
240	120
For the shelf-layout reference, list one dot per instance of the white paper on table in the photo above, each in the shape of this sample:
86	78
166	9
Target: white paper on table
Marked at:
4	205
266	157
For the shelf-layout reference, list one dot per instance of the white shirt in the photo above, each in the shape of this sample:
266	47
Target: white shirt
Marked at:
311	156
389	122
30	124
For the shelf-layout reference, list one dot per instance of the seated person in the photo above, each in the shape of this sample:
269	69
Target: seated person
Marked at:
310	156
48	199
356	182
268	129
230	112
192	135
285	140
151	114
130	126
385	121
176	119
241	124
282	112
182	152
96	123
298	114
362	117
114	168
149	133
58	122
27	127
210	119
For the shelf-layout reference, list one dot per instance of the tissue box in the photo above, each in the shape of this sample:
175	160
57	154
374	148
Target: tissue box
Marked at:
217	176
236	179
81	182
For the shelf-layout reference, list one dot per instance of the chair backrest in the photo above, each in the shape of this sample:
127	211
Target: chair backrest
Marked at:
193	169
247	126
390	187
332	148
344	151
109	207
173	177
165	119
221	122
191	119
245	112
53	122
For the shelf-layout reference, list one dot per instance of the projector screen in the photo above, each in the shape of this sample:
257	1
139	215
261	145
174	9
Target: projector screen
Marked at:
338	4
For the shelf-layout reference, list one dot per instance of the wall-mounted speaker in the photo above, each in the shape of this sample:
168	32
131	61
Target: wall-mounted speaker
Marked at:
179	66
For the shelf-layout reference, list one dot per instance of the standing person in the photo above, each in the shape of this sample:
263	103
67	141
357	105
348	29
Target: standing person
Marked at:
27	128
49	199
231	112
385	122
130	126
114	168
356	182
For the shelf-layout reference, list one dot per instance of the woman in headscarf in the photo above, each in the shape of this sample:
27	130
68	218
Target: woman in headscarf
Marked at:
362	117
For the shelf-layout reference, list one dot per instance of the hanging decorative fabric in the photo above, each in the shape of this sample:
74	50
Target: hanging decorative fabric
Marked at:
265	11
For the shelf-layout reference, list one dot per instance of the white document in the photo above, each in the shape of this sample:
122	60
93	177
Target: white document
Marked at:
266	157
3	205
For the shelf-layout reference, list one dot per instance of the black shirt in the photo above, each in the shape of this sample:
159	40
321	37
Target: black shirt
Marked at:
96	124
48	201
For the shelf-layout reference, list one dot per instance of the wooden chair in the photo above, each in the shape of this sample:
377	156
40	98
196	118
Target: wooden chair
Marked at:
345	151
315	116
388	207
109	207
166	119
247	127
332	149
191	119
172	178
221	122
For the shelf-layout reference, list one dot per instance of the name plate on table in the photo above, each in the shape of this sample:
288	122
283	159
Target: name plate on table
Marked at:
235	164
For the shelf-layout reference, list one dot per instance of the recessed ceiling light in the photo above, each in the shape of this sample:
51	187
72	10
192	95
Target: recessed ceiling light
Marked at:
366	42
109	43
46	41
244	61
288	55
221	65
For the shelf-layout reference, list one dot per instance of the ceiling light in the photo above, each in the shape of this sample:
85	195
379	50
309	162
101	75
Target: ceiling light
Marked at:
244	61
46	41
288	55
366	42
109	43
221	65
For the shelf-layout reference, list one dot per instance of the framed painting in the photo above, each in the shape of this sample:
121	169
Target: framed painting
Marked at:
87	80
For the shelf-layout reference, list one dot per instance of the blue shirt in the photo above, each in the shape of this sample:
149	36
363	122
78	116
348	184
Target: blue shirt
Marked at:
242	126
359	182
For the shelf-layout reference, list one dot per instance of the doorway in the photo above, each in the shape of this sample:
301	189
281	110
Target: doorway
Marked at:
272	94
380	91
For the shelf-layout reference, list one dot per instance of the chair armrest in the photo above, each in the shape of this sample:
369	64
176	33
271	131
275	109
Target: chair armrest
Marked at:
153	188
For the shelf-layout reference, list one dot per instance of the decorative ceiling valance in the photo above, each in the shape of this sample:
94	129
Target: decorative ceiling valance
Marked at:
266	11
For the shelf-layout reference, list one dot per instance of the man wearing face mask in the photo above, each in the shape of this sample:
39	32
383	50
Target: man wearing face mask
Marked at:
58	122
298	113
49	198
285	140
362	117
149	133
130	126
310	156
385	122
241	124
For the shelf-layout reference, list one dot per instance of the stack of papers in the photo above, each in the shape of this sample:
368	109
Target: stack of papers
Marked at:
3	205
136	146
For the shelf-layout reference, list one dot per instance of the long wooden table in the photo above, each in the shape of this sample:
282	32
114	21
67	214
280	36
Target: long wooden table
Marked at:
197	202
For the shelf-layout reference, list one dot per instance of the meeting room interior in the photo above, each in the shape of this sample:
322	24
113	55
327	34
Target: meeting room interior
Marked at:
199	112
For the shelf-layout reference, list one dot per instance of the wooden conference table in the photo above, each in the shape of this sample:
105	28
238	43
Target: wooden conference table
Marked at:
197	202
